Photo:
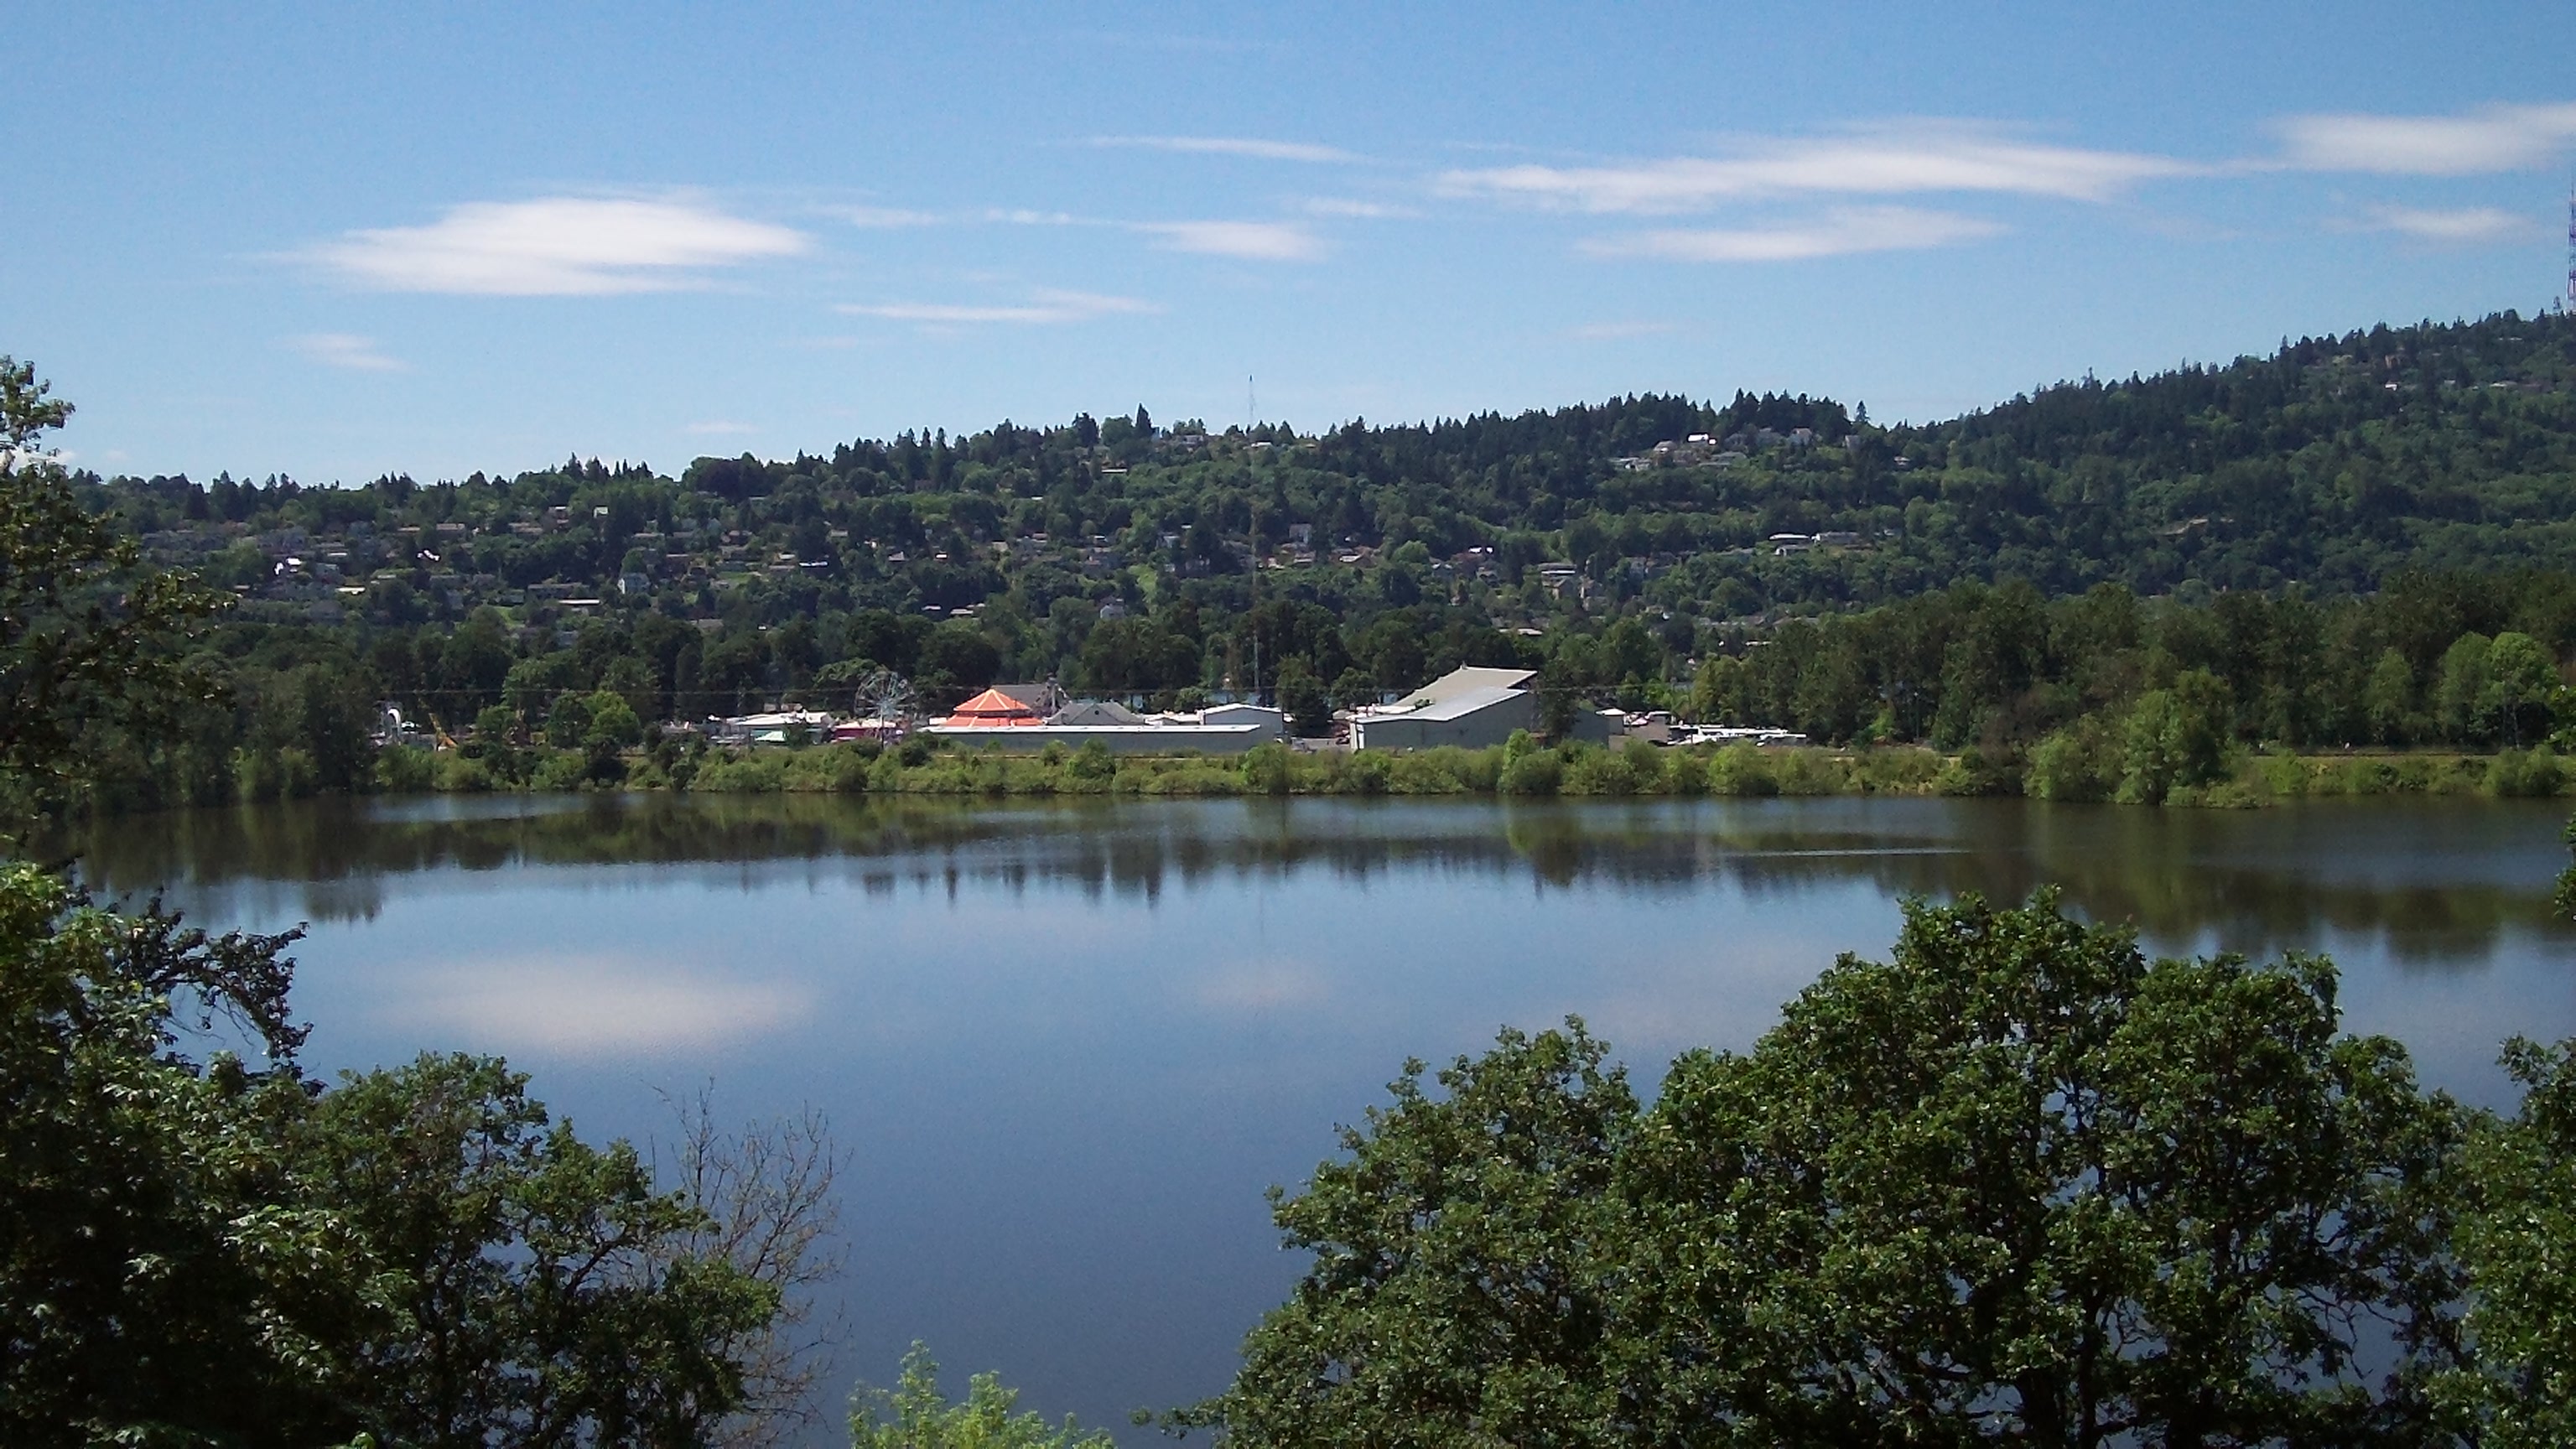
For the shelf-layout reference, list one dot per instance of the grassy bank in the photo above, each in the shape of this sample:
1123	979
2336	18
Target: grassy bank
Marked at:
1518	770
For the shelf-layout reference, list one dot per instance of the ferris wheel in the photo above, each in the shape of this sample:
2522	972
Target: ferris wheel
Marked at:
886	700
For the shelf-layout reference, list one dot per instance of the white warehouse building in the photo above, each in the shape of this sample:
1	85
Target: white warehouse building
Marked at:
1470	707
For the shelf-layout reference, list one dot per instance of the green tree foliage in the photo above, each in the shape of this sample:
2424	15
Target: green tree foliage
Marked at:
611	725
200	1250
2516	1237
2018	1184
2004	668
2521	680
1462	1280
545	1304
160	1275
87	634
914	1415
2176	737
1302	699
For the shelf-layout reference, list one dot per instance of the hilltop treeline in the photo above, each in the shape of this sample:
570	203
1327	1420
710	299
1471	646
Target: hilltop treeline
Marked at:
2281	523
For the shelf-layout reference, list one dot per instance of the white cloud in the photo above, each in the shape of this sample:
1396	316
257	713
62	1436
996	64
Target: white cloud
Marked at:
2468	224
1257	149
345	350
1255	241
1930	157
562	246
1362	210
1251	241
2496	138
1837	233
1044	307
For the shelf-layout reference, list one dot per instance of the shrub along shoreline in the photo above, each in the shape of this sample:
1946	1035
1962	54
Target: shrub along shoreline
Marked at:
1520	768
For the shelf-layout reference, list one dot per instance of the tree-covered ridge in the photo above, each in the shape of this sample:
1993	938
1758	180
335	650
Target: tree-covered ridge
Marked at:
2332	462
2317	530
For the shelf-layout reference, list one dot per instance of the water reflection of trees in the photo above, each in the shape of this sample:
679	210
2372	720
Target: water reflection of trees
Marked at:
2437	880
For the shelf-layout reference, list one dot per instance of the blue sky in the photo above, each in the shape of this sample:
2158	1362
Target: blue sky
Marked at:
333	241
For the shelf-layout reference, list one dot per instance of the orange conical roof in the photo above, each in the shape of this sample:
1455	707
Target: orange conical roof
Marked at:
992	710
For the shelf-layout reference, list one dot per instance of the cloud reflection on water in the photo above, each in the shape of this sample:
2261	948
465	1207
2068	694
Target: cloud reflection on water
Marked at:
582	1005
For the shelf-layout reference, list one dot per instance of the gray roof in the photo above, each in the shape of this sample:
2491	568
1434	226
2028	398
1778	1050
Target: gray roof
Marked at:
1468	679
1097	712
1464	703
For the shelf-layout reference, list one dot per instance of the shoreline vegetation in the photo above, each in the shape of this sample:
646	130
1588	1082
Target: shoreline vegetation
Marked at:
1521	768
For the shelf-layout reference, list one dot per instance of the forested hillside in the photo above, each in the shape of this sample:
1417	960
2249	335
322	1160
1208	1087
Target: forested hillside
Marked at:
1629	545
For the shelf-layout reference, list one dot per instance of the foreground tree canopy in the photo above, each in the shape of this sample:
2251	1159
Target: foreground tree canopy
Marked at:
199	1250
2017	1184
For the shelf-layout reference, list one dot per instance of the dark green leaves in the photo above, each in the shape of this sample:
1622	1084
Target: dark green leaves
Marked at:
85	630
1460	1293
204	1252
2017	1183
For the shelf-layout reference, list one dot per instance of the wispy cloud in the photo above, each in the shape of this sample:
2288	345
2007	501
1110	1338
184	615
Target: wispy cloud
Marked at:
1614	331
2494	138
1929	157
2456	227
1344	206
1836	233
1251	241
1045	307
1022	216
345	350
1253	147
562	246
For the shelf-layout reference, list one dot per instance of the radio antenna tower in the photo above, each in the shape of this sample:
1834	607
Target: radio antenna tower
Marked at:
2570	301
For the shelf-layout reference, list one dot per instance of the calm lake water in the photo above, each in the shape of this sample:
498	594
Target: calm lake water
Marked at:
1068	1046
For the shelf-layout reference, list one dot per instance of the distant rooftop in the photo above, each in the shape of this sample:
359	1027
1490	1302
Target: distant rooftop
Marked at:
1442	698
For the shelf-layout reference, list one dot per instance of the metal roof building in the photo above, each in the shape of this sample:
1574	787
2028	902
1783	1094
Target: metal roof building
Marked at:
1470	707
